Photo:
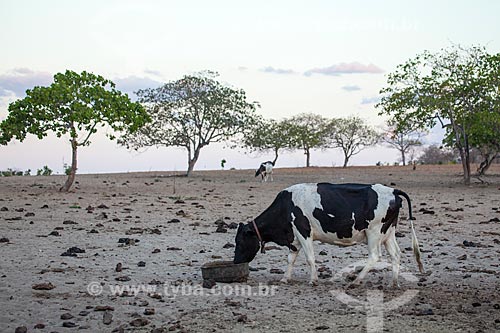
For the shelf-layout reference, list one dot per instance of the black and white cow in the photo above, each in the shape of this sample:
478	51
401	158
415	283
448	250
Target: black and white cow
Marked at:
265	170
341	214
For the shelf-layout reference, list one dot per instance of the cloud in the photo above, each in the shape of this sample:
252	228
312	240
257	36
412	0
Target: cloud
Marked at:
18	80
351	88
345	68
273	70
131	84
242	68
370	100
152	72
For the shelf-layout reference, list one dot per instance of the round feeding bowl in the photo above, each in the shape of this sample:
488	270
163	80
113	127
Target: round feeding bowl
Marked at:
225	271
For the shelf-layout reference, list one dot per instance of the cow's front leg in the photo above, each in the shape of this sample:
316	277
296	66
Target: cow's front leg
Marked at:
292	256
373	241
309	252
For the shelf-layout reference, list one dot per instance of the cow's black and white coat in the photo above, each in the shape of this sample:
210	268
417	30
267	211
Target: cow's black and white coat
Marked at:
265	170
341	214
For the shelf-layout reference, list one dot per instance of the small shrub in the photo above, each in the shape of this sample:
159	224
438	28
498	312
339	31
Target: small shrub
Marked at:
45	171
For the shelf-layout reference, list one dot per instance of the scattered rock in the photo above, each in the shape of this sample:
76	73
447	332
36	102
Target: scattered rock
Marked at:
69	324
476	304
221	229
107	318
141	264
426	211
72	252
43	286
4	209
174	221
66	316
149	311
44	207
4	240
69	222
139	322
179	201
55	233
173	248
122	278
462	257
118	267
208	284
322	253
232	225
471	244
156	251
39	326
128	241
228	246
102	206
242	318
399	234
104	308
21	329
276	271
322	328
83	313
29	214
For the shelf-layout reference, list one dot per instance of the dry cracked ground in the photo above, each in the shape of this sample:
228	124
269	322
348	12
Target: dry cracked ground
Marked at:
67	259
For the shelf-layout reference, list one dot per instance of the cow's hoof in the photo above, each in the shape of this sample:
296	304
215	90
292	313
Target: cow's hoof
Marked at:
313	283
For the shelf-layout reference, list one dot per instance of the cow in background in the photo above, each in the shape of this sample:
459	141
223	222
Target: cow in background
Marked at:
265	170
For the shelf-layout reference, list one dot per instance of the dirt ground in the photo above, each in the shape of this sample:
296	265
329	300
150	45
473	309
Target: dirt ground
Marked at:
162	229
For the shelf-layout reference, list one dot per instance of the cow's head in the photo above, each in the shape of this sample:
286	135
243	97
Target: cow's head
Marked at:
247	244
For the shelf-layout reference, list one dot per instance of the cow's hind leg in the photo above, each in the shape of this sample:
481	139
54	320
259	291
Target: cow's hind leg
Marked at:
292	256
392	248
309	252
373	240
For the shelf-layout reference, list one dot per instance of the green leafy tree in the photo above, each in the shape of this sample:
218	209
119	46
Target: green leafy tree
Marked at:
456	87
351	135
269	135
75	105
307	131
192	113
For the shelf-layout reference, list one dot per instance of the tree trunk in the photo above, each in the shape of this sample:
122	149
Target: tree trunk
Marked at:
403	157
275	156
192	161
486	163
308	157
346	159
72	172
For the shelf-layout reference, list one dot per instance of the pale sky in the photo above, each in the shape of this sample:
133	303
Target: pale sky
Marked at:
325	57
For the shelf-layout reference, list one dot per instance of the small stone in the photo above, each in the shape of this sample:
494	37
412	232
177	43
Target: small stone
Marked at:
139	322
104	308
156	251
322	328
208	284
43	286
83	313
462	257
118	267
66	316
149	311
141	264
228	246
39	326
123	278
4	240
276	271
476	304
21	329
69	324
322	253
242	318
54	233
221	229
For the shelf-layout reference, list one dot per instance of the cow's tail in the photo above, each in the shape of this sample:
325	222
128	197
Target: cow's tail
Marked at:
258	172
414	240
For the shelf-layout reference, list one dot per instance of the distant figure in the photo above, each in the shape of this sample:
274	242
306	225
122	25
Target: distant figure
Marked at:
265	170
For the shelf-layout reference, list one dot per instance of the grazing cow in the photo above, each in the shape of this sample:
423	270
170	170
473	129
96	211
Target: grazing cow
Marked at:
341	214
265	170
